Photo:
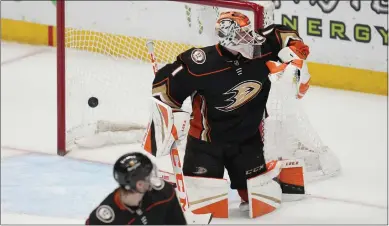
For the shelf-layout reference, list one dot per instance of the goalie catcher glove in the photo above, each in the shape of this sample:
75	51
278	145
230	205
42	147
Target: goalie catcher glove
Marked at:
289	48
295	72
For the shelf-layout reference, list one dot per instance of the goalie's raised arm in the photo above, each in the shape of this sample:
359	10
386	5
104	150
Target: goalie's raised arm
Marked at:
173	84
291	50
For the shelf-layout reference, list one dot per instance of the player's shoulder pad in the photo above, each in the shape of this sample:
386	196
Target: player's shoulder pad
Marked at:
203	61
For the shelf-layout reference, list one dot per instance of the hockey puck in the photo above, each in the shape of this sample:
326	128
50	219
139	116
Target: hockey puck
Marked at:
93	102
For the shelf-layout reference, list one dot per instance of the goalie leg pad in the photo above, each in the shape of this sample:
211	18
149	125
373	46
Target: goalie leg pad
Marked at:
264	192
291	179
208	195
283	180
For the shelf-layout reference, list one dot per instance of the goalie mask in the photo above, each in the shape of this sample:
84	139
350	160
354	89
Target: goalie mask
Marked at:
235	32
137	173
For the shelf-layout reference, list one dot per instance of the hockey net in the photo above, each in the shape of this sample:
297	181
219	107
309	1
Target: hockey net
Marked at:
105	75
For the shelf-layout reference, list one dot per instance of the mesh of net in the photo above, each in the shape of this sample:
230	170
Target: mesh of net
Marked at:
120	46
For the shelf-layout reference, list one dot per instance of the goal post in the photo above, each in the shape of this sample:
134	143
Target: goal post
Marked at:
61	77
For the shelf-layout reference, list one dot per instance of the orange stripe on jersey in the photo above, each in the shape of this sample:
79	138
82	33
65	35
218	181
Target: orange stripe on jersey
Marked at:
196	124
160	82
161	202
207	128
208	73
131	221
218	50
261	56
117	201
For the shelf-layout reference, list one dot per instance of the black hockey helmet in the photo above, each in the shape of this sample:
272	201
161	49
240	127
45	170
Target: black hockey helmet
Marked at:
131	168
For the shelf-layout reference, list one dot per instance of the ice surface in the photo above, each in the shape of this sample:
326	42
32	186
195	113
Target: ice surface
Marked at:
34	180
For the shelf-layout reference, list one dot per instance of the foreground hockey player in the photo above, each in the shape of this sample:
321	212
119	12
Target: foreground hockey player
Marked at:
229	86
142	198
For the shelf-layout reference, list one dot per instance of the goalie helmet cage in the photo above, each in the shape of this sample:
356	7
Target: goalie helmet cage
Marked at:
117	41
257	13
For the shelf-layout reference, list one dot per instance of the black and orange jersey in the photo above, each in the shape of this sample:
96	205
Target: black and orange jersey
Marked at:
228	92
158	207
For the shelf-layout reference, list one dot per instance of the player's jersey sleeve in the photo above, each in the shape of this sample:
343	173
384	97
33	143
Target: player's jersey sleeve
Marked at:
281	36
175	214
173	84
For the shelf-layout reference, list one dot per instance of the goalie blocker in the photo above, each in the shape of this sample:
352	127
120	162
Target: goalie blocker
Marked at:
283	180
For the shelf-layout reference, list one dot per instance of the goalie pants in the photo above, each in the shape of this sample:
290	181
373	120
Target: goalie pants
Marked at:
241	161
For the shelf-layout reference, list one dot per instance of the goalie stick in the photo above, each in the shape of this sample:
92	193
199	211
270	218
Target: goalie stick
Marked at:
177	166
153	60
